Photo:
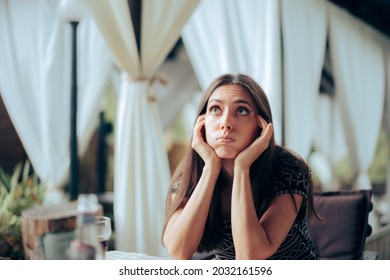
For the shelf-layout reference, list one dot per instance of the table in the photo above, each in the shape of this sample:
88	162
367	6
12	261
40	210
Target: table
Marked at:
120	255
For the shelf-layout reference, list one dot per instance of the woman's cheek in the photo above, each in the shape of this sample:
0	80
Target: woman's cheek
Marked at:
207	130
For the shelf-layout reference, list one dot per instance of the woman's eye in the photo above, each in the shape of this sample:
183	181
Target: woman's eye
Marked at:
242	111
214	110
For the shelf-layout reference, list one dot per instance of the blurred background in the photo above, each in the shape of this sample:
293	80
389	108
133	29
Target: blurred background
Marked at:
141	67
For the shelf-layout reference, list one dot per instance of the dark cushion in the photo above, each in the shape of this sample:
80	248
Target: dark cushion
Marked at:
344	229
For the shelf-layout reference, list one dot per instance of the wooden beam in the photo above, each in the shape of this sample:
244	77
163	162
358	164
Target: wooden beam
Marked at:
135	7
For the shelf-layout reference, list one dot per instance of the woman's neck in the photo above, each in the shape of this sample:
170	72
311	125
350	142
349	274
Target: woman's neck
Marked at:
228	169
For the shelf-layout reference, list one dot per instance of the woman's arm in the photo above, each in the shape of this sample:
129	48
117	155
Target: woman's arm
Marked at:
254	239
185	228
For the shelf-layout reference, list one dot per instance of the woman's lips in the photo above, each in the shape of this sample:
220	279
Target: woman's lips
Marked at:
225	140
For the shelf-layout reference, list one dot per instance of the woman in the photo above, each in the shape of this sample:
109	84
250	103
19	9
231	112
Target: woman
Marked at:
238	193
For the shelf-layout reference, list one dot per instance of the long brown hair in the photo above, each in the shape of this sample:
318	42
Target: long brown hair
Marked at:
187	174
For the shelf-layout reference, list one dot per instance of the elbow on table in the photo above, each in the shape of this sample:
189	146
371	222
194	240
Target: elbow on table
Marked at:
178	251
256	253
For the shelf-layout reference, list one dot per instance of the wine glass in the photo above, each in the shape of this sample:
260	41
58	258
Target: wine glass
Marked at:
103	225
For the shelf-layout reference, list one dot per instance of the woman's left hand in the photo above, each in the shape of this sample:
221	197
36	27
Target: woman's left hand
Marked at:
246	157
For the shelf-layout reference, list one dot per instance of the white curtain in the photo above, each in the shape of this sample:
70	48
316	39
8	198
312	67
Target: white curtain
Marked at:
141	164
35	82
172	97
387	115
329	138
304	24
175	94
236	36
358	65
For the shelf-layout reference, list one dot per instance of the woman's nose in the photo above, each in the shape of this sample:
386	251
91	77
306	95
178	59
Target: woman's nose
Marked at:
226	124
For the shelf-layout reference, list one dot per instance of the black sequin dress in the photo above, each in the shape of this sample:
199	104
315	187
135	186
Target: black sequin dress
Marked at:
290	176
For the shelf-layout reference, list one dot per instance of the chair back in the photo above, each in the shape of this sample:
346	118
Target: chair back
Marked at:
344	229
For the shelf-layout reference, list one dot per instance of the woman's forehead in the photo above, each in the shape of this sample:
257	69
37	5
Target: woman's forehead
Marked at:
232	92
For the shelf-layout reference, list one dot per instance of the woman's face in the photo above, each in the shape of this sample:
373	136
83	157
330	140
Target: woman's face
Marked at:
231	122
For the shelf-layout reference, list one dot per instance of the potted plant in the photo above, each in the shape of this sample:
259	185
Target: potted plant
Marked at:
18	191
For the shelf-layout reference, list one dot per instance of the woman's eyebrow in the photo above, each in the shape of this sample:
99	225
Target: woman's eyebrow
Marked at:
240	101
215	100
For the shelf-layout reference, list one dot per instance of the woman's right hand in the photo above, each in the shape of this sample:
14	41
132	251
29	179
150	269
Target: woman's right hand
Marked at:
201	147
186	226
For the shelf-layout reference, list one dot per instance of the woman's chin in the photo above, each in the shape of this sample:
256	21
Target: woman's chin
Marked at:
224	153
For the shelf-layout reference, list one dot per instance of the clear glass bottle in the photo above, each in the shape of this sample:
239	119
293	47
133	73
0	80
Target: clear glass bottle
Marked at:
86	245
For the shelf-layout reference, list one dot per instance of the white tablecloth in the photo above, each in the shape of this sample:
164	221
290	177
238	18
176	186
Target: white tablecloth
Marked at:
120	255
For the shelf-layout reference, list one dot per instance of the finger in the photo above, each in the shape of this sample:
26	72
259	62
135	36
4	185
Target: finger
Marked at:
200	118
269	131
197	132
262	123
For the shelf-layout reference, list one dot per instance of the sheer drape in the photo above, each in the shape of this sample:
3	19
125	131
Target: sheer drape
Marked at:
172	97
35	82
329	138
387	114
141	164
359	80
230	37
304	25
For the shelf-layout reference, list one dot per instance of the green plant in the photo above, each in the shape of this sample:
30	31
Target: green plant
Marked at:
18	191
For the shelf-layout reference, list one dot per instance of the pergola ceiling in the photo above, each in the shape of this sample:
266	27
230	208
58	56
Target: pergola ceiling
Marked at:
375	12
